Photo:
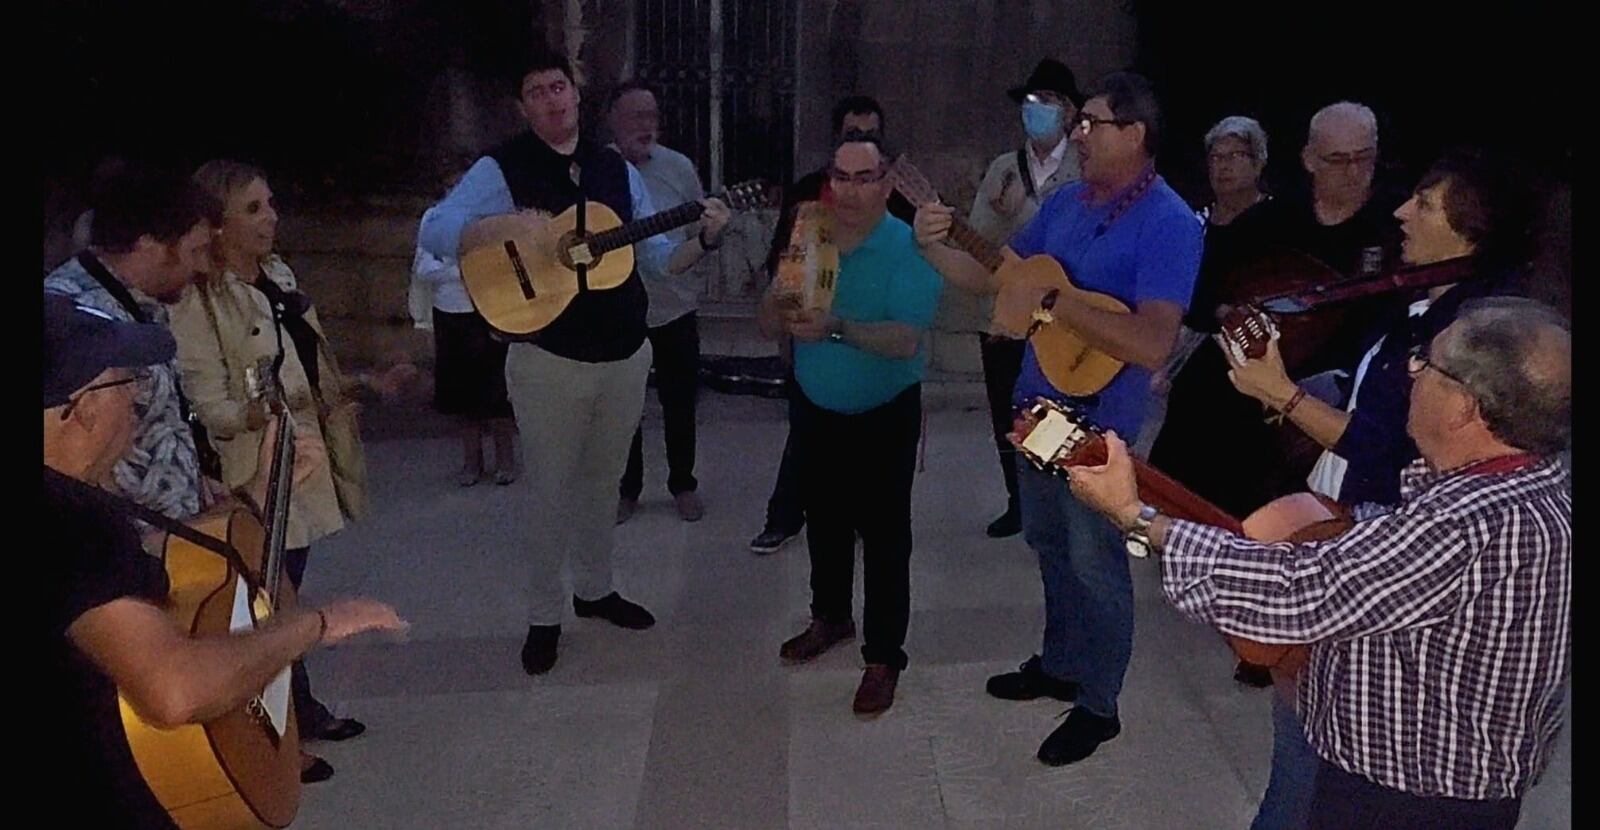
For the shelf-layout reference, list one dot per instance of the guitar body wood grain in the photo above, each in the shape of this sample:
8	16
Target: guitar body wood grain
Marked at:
522	278
1068	361
234	772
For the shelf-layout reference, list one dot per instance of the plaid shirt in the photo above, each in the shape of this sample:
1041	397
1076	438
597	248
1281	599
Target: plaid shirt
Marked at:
1441	629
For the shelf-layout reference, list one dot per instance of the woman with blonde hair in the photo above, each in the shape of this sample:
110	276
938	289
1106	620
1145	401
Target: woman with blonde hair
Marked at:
245	324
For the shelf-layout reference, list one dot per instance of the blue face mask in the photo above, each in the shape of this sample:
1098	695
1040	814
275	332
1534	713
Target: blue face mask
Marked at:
1041	120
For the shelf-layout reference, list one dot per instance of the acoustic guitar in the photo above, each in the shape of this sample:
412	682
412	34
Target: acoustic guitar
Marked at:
1055	436
528	272
242	770
1068	361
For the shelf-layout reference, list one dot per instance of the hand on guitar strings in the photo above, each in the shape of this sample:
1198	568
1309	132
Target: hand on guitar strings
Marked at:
1109	488
714	221
812	325
310	455
1266	379
932	223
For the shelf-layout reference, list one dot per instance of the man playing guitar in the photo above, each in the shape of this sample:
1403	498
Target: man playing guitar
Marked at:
1123	232
107	630
577	386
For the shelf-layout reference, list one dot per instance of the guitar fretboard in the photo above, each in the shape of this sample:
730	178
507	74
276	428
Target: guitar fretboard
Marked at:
645	228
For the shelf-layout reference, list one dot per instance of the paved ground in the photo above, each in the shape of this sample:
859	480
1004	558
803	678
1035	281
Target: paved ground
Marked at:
695	724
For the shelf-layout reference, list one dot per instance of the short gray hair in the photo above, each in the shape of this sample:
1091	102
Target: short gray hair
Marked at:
1242	127
1359	114
1514	356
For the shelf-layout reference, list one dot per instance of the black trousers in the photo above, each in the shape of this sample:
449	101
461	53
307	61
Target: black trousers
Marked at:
786	509
856	476
677	362
309	713
1002	363
1345	801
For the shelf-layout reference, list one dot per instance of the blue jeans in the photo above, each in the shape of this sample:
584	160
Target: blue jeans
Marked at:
1287	803
1088	591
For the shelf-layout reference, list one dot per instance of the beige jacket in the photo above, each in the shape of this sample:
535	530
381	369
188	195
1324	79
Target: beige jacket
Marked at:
999	228
221	329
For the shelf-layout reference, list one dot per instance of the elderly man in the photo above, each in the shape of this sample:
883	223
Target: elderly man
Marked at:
634	118
1017	182
1440	627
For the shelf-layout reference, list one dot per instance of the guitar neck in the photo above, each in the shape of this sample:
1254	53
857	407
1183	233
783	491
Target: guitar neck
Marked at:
645	228
1167	495
967	239
1420	277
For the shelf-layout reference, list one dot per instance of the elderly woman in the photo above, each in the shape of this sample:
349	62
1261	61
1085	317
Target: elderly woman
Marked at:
242	324
1211	440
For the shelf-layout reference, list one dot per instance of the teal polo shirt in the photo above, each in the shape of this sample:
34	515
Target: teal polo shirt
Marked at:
884	279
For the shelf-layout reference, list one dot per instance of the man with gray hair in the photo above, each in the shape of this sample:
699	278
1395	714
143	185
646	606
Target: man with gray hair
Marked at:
1347	222
1440	628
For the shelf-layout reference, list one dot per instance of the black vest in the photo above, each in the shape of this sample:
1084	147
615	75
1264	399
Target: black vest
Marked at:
599	326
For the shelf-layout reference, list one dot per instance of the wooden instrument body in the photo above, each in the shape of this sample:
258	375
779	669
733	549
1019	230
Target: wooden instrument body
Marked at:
527	277
235	771
1300	517
1065	356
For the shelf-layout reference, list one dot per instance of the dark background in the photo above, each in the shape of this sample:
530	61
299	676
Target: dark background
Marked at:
330	100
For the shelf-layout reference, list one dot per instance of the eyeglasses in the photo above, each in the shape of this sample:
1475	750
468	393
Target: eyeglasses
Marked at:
72	403
1232	155
1086	122
1418	361
864	177
1357	159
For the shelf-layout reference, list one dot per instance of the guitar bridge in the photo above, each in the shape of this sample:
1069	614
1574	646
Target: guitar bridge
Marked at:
521	270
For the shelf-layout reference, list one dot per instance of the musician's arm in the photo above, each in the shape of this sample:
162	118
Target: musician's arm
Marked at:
1268	381
771	312
1400	570
932	228
1144	338
448	228
172	679
897	341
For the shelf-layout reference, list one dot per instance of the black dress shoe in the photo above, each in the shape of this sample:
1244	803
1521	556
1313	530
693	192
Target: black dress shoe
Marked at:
1252	675
1029	682
335	729
614	609
1078	737
1009	524
539	650
319	770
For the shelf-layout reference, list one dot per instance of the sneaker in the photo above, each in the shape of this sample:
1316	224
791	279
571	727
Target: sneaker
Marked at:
772	540
539	650
876	693
1078	737
817	638
1029	682
690	508
614	609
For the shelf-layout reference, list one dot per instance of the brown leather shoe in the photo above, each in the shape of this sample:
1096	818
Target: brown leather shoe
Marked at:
817	638
876	693
690	508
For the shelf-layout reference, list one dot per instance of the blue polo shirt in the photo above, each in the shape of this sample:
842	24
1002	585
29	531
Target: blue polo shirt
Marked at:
884	279
1151	252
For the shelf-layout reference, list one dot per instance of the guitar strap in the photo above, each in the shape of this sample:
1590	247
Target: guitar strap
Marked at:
127	507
